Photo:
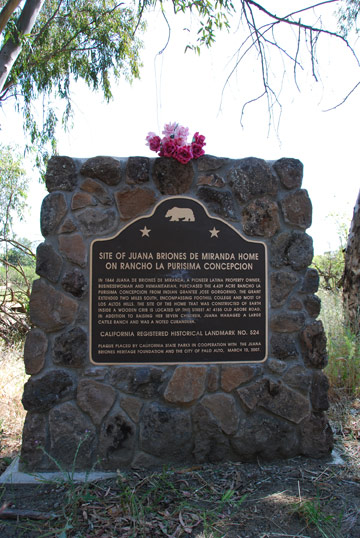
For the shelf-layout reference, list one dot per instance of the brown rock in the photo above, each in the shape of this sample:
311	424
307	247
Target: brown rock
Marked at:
234	376
282	283
48	262
295	304
212	180
261	217
133	202
81	200
209	162
213	378
35	348
316	437
276	398
290	172
72	437
97	190
53	210
73	248
97	221
313	305
186	385
95	399
224	409
137	170
50	309
171	177
132	406
319	392
67	227
106	169
60	174
219	202
297	209
252	177
33	443
44	392
313	343
287	322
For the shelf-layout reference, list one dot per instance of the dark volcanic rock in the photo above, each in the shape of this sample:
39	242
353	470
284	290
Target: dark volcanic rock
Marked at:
70	348
107	169
44	392
60	174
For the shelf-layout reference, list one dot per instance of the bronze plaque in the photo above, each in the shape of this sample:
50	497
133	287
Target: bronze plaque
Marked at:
178	286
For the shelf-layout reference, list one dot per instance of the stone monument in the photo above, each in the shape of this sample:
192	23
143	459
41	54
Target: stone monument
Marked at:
174	317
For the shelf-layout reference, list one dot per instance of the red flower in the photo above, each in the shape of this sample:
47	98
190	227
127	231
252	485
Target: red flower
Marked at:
184	154
168	148
199	139
154	143
197	150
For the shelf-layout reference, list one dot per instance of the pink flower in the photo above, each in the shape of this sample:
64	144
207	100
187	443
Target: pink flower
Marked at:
197	150
169	129
168	147
184	154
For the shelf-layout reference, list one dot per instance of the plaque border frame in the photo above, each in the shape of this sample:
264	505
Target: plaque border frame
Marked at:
176	363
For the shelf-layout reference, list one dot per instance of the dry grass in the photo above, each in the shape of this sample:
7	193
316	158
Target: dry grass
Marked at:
12	413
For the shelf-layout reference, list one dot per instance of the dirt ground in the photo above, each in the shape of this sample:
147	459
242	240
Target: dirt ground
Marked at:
297	498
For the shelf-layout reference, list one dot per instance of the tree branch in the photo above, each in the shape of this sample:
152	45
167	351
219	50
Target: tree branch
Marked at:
6	12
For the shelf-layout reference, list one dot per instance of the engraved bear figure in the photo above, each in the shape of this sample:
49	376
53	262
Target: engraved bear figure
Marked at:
180	213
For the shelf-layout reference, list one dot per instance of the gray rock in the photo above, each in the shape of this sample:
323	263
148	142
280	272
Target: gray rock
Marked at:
264	437
94	398
224	409
298	378
290	172
74	282
282	283
311	281
210	443
70	348
34	442
313	305
294	249
97	190
106	169
166	432
283	347
48	262
116	441
60	174
219	202
319	392
53	210
252	177
72	437
137	170
316	436
42	393
96	221
206	163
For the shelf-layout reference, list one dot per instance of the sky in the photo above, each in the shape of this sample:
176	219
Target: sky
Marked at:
191	90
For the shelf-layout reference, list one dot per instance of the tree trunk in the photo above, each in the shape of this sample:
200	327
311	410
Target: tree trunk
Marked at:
351	291
12	47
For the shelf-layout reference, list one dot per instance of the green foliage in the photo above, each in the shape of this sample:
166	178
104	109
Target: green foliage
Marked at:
313	513
348	16
343	369
13	187
330	267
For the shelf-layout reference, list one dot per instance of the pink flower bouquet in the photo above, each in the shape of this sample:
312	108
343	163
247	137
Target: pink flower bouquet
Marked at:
174	143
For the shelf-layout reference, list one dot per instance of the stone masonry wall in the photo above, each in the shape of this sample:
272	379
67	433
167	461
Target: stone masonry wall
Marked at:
117	416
